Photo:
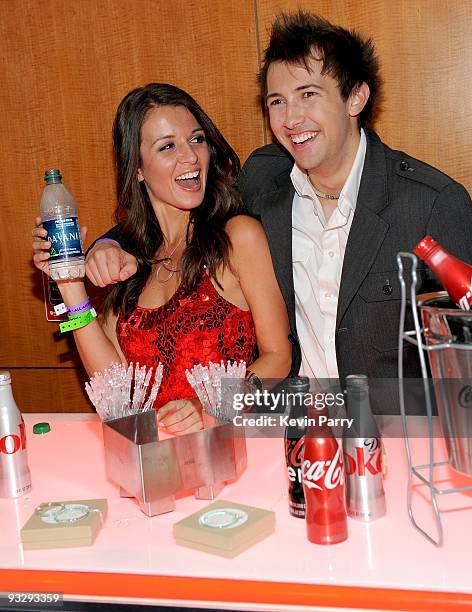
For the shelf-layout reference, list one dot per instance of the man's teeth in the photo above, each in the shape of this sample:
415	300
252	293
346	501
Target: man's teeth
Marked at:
188	175
301	138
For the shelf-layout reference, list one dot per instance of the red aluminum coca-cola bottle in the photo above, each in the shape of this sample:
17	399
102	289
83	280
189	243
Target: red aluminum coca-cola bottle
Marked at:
296	389
455	275
323	482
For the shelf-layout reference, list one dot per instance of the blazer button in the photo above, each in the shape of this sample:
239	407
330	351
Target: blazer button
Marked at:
387	289
404	165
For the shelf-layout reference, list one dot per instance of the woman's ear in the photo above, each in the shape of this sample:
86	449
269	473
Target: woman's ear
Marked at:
140	175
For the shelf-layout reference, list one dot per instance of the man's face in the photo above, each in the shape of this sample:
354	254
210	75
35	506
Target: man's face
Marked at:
310	119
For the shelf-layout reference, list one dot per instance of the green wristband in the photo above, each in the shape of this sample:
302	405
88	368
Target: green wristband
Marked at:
80	320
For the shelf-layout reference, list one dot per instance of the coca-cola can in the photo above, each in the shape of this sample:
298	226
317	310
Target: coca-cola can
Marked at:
323	483
15	479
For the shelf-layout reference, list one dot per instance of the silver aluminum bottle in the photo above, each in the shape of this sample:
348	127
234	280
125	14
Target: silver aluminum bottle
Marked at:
362	446
15	478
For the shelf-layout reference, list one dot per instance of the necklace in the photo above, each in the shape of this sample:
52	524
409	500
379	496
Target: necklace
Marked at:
321	194
165	264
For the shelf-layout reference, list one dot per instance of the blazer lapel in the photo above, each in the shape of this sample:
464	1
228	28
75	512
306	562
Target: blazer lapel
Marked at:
276	217
368	229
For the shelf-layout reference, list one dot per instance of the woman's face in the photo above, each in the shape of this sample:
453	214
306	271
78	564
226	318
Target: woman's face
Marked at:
174	157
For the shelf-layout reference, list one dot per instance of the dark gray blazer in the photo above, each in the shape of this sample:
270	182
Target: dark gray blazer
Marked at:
400	200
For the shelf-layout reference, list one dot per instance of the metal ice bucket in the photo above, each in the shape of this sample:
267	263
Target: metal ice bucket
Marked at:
154	470
450	330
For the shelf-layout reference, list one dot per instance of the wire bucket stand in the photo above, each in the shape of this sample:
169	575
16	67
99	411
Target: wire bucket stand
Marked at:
416	337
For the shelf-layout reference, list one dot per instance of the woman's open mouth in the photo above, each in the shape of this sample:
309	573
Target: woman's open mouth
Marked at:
190	181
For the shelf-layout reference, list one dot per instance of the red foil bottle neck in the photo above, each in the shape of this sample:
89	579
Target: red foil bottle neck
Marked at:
425	248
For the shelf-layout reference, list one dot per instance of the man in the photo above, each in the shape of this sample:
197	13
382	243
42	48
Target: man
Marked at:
336	204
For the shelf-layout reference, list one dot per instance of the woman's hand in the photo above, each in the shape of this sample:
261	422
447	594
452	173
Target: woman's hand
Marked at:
181	416
41	246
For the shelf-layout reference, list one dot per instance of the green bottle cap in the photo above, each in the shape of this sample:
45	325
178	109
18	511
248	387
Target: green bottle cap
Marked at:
52	176
41	428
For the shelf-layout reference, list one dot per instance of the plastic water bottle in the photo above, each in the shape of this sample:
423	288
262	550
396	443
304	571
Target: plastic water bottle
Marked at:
59	216
15	479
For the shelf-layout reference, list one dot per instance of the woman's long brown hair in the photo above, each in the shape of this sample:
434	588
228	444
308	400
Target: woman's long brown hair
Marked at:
207	241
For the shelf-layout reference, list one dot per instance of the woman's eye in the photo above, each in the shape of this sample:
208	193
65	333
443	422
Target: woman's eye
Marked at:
167	147
275	102
199	138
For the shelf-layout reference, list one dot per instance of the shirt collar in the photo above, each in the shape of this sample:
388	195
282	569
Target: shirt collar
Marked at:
348	198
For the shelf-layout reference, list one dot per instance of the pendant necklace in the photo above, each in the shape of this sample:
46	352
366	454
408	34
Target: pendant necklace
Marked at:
165	263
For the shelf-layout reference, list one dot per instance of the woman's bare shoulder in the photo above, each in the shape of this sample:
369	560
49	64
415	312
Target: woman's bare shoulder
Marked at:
244	229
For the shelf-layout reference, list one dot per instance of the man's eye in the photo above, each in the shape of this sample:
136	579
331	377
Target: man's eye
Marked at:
309	94
167	147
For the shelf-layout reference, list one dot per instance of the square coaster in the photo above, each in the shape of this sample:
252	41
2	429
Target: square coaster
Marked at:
64	524
225	528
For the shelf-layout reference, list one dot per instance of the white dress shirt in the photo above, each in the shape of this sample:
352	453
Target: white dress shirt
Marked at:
318	248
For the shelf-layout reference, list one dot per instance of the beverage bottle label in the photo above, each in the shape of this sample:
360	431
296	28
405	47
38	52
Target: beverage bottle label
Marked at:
64	236
364	457
324	474
294	459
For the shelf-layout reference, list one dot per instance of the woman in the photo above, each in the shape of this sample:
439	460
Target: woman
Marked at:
205	289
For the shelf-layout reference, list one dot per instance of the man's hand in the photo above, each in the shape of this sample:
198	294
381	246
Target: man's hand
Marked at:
107	263
180	416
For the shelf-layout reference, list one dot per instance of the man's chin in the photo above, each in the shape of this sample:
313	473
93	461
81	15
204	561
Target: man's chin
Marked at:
304	158
305	163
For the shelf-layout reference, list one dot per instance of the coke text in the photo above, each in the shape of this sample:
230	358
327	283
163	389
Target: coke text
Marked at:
12	443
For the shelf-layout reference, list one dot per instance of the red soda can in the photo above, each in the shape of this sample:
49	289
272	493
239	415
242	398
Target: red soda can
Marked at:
323	482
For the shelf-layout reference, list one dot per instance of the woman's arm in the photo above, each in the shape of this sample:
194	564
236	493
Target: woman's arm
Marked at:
96	342
251	263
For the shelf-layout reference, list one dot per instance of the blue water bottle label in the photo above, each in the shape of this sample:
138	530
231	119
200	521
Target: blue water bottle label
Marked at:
64	236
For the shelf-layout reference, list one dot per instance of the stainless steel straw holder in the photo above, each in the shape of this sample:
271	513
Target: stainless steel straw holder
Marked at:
154	470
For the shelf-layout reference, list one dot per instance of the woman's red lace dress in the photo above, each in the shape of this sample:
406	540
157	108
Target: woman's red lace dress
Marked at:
192	327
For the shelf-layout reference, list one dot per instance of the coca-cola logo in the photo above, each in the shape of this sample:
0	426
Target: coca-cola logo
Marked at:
465	301
294	451
294	454
465	396
12	443
329	473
